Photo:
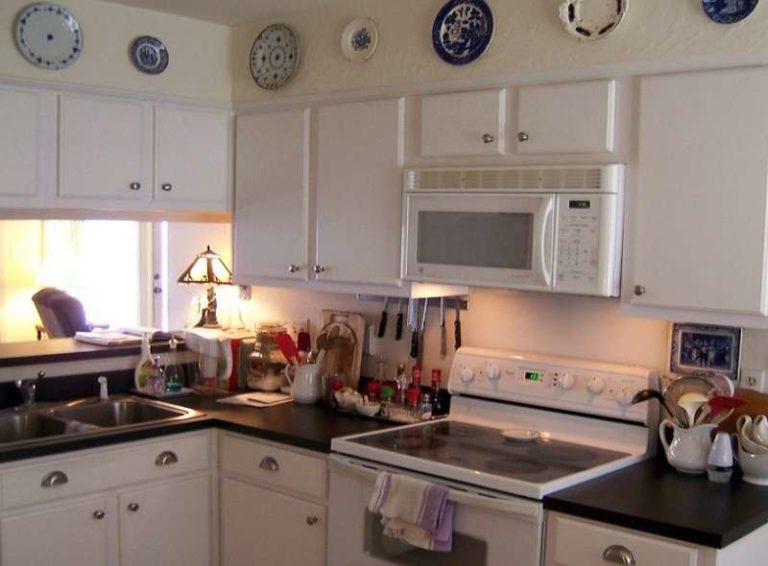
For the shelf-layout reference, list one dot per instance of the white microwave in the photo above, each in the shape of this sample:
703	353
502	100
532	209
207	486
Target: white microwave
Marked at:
553	229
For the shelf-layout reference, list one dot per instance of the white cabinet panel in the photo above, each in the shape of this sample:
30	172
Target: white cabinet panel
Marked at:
359	191
271	195
566	118
75	534
192	156
105	149
699	219
463	124
167	524
262	527
27	142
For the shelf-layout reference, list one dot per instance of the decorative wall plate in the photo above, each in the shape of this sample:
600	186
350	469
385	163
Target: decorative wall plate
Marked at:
274	56
728	11
48	36
592	19
359	40
149	55
462	31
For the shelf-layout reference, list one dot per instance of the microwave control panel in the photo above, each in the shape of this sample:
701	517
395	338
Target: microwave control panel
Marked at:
586	244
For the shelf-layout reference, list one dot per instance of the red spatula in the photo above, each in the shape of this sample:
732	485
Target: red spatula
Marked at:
721	404
288	347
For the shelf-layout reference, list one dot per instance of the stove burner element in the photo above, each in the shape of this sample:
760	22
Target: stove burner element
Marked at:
511	465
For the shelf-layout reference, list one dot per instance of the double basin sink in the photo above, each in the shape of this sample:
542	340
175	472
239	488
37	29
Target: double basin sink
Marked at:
39	424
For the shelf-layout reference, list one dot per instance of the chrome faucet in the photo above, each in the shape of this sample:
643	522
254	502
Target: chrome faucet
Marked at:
28	388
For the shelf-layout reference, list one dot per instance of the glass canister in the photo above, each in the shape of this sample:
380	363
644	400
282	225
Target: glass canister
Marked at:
267	362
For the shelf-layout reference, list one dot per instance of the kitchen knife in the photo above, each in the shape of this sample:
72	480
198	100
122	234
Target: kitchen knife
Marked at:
399	321
413	325
457	325
443	338
383	321
422	332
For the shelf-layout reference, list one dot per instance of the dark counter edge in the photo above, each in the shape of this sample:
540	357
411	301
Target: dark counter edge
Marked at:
12	355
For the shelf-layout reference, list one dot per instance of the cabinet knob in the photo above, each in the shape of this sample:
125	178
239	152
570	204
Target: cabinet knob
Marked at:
54	478
167	187
269	464
523	137
488	138
640	290
166	459
99	515
133	507
312	520
135	186
617	554
319	269
293	268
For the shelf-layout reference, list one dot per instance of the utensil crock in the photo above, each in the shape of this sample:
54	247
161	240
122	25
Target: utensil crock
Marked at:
689	450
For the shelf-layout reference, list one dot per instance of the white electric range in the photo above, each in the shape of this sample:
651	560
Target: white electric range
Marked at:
583	426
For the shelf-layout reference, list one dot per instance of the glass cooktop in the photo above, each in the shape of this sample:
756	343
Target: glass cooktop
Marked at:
483	449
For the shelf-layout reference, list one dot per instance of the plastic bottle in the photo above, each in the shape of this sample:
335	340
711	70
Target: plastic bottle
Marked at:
174	378
401	385
156	384
144	367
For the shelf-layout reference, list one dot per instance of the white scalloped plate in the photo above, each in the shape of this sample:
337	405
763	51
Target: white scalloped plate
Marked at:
592	19
359	40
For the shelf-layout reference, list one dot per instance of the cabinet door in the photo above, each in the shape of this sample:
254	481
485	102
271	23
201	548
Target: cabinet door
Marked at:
359	192
73	534
271	195
699	222
192	161
264	527
566	118
27	142
167	524
105	148
463	124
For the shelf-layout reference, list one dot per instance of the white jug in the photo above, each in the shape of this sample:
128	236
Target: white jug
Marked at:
689	450
215	355
305	384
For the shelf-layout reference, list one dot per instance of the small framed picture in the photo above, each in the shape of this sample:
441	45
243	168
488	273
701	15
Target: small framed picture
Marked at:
698	349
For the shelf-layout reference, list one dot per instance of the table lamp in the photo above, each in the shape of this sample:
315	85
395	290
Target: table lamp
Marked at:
208	269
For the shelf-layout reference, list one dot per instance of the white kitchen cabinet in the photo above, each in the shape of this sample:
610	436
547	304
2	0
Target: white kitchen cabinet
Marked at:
360	152
463	124
192	157
566	118
260	526
105	149
71	534
167	524
271	230
699	220
28	142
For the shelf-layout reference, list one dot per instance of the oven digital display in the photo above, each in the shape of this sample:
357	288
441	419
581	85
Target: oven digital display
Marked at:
534	376
580	204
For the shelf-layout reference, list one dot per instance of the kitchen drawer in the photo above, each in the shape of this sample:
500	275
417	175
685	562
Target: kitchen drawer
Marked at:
105	469
276	466
576	542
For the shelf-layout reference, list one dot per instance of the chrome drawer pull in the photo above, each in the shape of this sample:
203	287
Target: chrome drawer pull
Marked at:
99	515
488	138
167	187
135	186
269	464
617	554
54	478
133	507
166	459
312	520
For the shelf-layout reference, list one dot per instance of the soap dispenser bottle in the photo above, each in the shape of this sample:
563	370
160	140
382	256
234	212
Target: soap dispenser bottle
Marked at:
144	368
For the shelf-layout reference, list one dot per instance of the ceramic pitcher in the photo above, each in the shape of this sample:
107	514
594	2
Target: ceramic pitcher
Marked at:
305	383
689	450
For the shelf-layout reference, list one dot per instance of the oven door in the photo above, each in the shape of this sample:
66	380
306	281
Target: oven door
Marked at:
480	239
489	529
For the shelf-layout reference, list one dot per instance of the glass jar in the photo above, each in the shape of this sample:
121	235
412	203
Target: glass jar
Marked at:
267	363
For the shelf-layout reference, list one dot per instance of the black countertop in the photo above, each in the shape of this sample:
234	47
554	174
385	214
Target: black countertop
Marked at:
653	497
58	350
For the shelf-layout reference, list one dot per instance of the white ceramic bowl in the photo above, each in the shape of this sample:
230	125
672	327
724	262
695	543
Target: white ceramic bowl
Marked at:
754	466
368	409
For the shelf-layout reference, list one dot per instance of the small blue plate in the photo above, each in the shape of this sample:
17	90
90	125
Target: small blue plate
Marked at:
149	55
728	11
462	31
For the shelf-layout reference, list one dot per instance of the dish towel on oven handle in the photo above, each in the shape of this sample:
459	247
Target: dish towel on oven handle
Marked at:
414	511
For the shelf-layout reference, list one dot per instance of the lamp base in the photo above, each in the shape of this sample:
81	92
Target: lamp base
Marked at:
209	320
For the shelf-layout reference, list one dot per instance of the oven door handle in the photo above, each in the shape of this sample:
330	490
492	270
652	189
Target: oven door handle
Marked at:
530	510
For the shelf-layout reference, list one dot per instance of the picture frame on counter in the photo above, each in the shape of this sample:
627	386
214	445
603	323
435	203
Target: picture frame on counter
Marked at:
699	349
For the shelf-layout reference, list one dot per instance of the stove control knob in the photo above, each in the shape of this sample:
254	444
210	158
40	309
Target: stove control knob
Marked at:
566	381
624	397
493	372
467	375
596	385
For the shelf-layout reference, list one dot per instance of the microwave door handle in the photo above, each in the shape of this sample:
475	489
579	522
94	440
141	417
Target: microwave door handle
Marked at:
546	236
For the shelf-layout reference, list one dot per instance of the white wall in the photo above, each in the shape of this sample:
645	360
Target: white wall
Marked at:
199	52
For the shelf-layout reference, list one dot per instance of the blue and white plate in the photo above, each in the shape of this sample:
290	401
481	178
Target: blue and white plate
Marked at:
48	36
728	11
359	40
462	31
149	54
274	56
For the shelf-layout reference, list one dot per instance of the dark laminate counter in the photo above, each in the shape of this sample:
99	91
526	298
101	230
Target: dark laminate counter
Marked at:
653	497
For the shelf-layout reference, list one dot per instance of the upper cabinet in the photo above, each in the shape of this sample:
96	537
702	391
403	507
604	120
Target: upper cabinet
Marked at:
699	218
192	149
360	152
566	118
105	149
463	124
271	228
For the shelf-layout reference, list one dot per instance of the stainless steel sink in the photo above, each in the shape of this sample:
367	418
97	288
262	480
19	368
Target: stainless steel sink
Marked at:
17	427
120	412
